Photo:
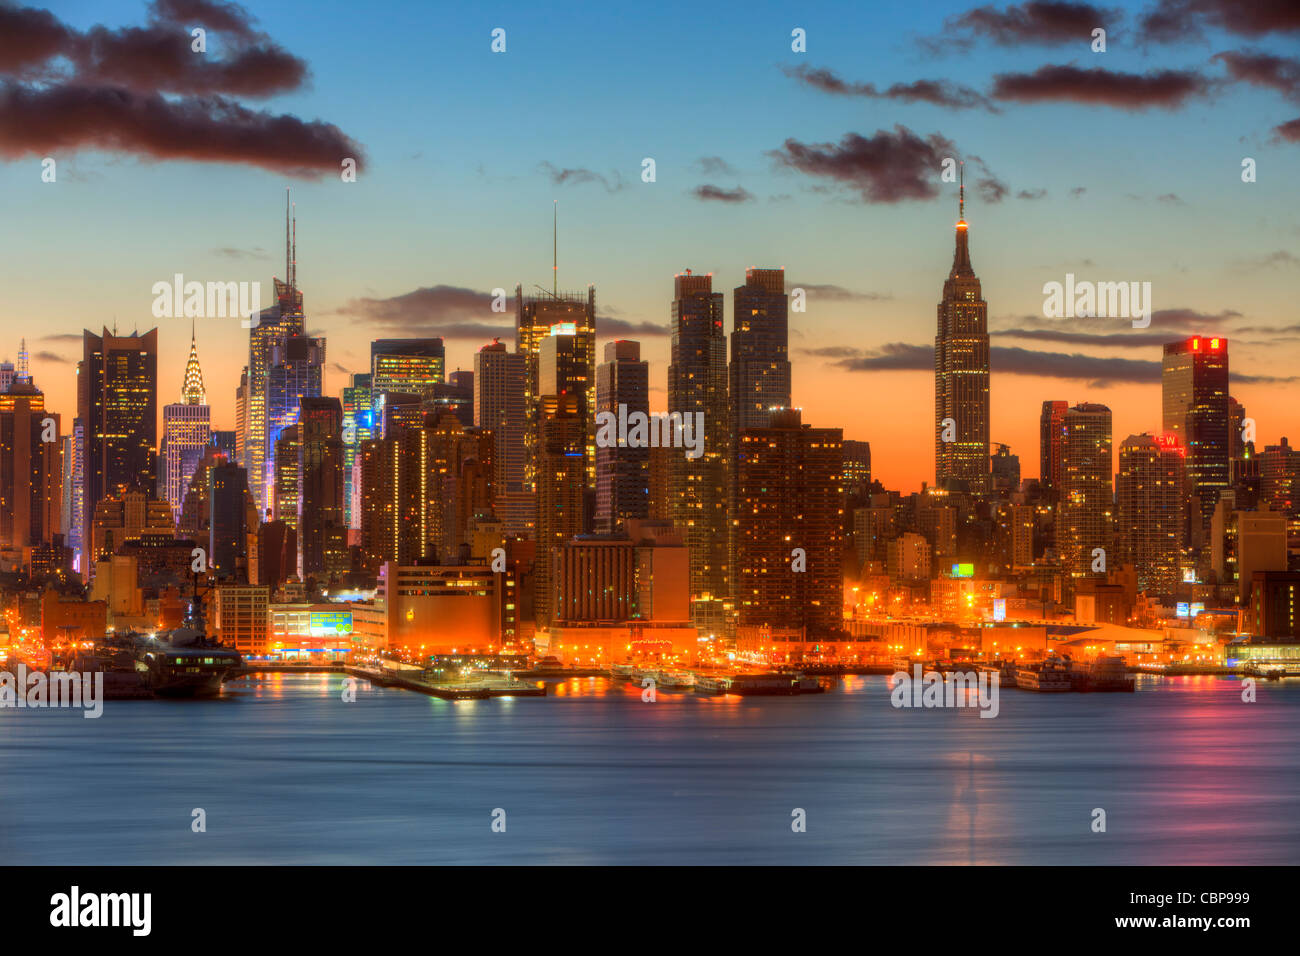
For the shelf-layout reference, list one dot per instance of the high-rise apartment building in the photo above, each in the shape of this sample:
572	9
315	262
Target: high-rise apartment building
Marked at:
501	407
789	527
697	383
31	468
1149	514
1087	496
622	467
1051	439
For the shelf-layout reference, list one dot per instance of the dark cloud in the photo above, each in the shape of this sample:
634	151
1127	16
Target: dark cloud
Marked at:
51	357
836	293
1272	260
230	252
1031	194
709	192
714	165
38	122
1036	22
449	311
1186	19
578	176
1264	69
885	168
65	90
1098	372
62	337
1167	89
1288	132
936	92
1171	198
1078	191
990	188
29	37
606	326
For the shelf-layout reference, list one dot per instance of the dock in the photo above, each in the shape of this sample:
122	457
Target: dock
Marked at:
459	690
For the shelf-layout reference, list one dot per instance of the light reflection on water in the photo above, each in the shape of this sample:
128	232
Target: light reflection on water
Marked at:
287	773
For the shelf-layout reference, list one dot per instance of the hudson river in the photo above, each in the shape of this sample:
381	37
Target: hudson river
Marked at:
286	772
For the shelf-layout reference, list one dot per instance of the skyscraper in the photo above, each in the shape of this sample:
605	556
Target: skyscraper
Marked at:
228	500
186	432
31	468
322	535
296	372
789	495
961	374
697	382
406	366
622	470
500	406
560	485
1087	493
1194	385
274	326
566	366
358	419
117	402
1149	523
572	313
760	334
1051	437
1005	471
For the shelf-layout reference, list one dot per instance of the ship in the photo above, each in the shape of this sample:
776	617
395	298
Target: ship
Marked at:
184	663
1053	676
1107	673
773	685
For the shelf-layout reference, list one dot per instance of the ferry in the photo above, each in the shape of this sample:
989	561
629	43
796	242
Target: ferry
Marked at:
705	684
673	680
773	684
1107	673
185	663
1053	676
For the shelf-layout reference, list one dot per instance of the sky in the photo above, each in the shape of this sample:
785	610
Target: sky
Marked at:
1122	165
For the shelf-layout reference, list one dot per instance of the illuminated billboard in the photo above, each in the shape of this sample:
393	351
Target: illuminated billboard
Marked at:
330	623
963	570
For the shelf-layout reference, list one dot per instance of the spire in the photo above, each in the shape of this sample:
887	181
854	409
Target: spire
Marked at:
555	248
22	374
961	256
293	260
192	391
288	242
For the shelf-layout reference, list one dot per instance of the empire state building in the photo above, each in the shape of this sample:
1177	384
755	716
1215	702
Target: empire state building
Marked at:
961	375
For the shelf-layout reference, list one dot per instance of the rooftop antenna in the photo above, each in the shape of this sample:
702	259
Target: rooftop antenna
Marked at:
22	374
961	202
555	248
293	275
288	251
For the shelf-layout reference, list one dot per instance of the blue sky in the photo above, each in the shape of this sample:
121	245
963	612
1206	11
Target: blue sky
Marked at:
455	192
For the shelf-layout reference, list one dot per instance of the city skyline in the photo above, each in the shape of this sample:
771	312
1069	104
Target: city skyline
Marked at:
868	262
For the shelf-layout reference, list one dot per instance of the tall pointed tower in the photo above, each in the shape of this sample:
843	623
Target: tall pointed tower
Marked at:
961	373
186	432
192	391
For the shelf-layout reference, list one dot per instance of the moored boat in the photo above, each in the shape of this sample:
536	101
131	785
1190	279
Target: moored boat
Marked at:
1052	676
